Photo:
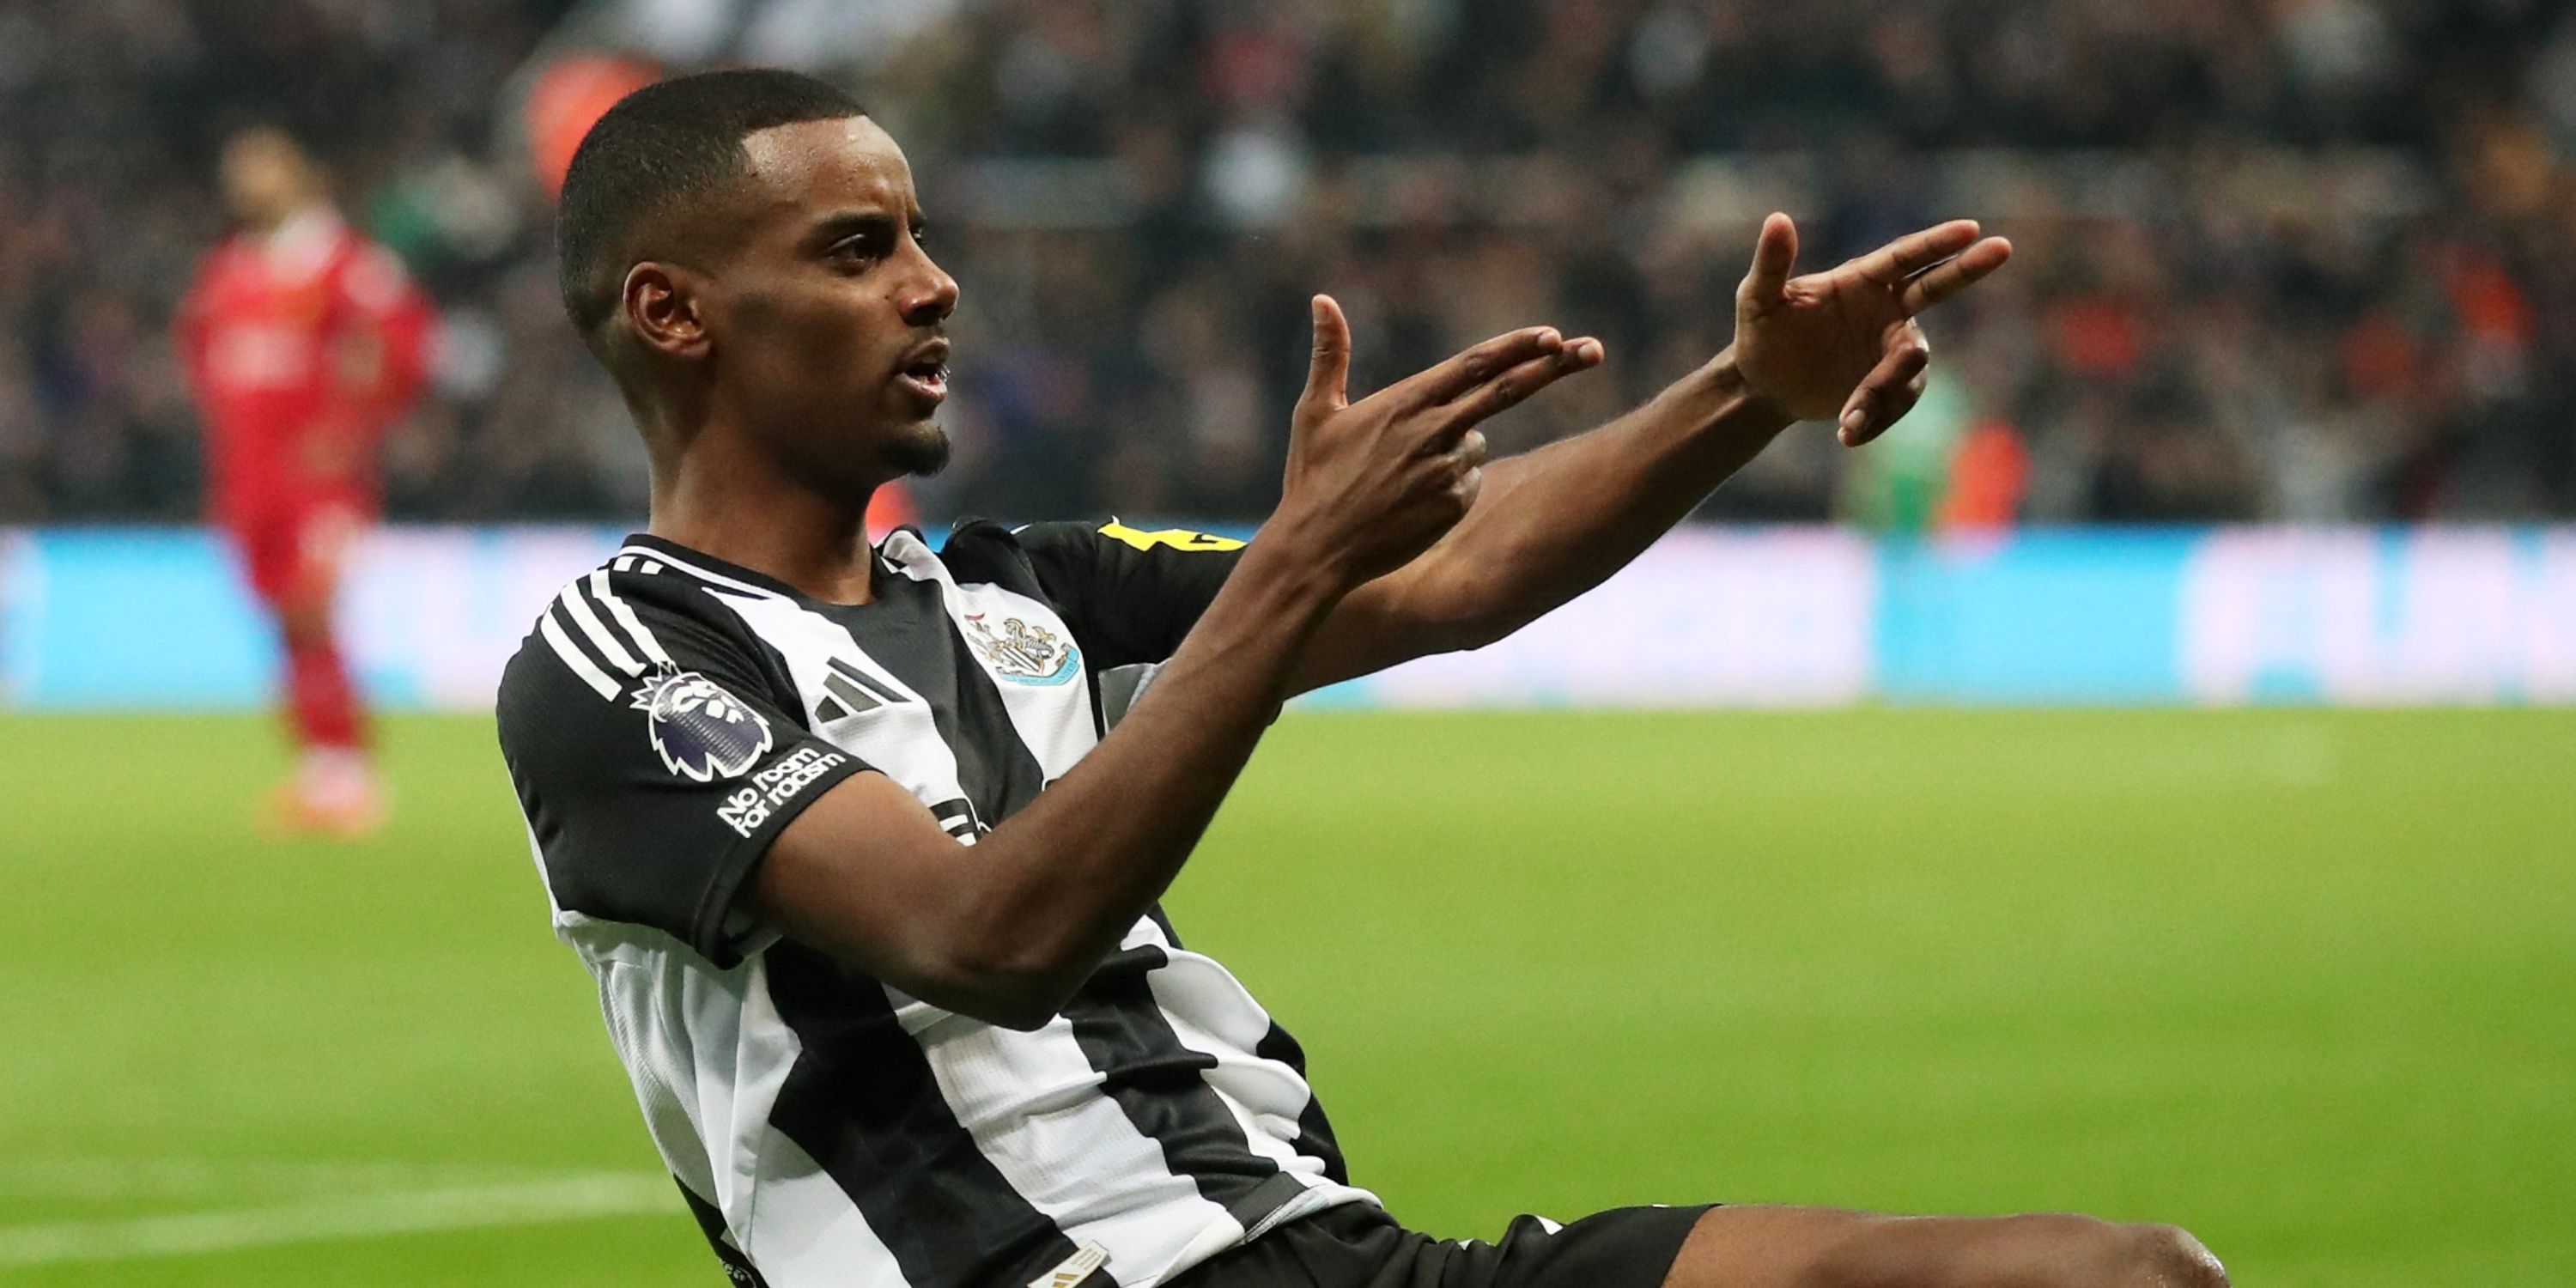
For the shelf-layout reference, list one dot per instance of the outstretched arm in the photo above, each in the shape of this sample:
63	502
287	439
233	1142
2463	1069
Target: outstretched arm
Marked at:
1556	522
1005	929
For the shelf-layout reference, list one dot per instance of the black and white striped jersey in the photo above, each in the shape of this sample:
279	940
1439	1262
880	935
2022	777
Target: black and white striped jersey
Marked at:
664	721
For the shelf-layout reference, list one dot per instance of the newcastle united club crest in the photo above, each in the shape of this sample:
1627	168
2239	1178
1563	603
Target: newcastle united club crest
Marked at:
1020	652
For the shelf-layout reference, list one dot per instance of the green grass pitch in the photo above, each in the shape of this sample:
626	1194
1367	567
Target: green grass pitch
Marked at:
2300	980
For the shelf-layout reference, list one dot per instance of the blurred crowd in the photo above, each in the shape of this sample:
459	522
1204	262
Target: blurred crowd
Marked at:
2303	260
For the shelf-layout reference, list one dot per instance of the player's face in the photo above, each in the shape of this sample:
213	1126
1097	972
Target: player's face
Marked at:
265	178
829	323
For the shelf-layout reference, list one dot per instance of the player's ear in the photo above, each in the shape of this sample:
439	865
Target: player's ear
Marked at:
661	305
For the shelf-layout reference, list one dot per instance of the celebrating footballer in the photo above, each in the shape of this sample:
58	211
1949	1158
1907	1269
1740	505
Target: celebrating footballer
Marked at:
864	843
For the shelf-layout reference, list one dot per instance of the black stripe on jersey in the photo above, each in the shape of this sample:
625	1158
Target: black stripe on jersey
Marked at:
1155	1079
908	632
1162	1086
1314	1131
863	1102
957	818
711	1222
1163	923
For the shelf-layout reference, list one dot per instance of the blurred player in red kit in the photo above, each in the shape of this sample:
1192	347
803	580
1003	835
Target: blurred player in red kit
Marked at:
303	341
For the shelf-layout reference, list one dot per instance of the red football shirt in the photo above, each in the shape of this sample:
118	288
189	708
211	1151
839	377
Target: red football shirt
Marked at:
301	346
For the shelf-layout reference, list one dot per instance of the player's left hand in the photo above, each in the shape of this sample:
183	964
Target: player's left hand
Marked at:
1843	343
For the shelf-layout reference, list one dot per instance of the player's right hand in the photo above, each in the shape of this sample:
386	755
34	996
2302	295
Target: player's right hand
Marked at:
1371	484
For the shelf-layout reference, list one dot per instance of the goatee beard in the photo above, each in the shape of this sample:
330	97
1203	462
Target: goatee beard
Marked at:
921	454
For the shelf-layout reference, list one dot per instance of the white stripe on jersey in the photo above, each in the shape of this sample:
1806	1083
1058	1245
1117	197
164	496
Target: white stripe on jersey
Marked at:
702	574
900	740
1213	1014
1055	721
710	1055
1033	1103
573	656
804	1230
1251	1087
577	607
650	647
707	1088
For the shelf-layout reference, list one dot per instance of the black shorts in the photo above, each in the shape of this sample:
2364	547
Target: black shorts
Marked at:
1358	1245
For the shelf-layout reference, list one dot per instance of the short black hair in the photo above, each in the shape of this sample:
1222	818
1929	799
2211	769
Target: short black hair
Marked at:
658	147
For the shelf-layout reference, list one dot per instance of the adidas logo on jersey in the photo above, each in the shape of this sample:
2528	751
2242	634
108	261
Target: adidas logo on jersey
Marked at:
849	691
1074	1269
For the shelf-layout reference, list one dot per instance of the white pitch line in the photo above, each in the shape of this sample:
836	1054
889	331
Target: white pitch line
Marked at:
109	1179
363	1216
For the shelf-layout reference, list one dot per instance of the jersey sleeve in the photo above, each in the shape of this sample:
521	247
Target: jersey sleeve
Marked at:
655	759
1130	596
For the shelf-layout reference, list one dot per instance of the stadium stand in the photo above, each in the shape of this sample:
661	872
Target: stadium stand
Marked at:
2305	260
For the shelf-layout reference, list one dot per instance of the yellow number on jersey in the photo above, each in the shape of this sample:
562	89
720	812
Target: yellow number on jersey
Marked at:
1176	538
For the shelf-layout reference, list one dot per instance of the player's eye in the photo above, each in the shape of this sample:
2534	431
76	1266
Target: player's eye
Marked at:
921	236
859	248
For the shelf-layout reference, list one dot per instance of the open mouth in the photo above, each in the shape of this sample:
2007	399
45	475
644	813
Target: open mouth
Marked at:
926	374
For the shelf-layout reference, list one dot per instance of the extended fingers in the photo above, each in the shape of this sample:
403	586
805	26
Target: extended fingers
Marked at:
1328	375
1775	254
1915	252
1889	391
1944	280
1475	366
1514	384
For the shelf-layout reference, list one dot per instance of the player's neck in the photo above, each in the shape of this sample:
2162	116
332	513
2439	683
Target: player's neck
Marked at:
305	219
751	516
